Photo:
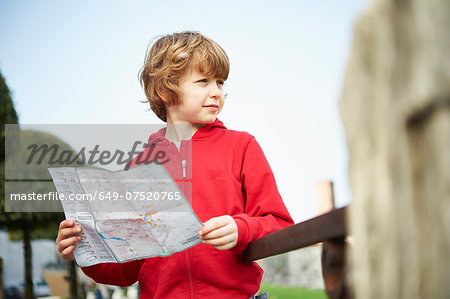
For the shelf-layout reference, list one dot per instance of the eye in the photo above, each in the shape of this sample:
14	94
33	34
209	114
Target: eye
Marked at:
221	82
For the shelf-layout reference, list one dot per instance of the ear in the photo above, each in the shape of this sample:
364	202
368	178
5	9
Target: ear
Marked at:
162	93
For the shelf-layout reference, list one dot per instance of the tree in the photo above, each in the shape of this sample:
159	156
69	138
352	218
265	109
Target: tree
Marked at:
25	225
8	115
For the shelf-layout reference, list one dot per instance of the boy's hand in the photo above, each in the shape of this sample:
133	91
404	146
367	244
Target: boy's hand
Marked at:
67	237
220	232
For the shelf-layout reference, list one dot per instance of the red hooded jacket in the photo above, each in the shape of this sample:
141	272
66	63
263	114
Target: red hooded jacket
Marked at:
229	175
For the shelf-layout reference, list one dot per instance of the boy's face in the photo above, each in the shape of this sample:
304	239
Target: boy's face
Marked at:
201	100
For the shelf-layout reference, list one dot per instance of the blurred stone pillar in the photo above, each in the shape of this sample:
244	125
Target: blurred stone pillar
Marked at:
395	107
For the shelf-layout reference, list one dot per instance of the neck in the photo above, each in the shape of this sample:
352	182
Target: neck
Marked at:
178	132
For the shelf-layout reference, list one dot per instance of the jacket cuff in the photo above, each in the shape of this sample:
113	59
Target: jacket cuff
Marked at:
243	235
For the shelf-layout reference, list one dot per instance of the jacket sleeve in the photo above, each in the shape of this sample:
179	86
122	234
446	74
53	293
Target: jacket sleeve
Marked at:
264	210
122	275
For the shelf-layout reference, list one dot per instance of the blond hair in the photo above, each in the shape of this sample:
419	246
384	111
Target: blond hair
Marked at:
173	55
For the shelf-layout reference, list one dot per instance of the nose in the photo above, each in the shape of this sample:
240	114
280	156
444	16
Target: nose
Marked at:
215	91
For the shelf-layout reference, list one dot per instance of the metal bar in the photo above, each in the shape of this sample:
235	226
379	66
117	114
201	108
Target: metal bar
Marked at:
318	229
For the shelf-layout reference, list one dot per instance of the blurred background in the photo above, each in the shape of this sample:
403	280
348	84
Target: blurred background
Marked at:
77	63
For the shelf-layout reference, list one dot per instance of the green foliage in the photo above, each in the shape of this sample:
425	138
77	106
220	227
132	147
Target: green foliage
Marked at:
286	292
7	112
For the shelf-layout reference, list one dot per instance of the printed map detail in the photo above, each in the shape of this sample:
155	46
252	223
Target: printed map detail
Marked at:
126	215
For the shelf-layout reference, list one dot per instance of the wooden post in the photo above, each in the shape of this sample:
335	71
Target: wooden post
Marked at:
324	196
334	259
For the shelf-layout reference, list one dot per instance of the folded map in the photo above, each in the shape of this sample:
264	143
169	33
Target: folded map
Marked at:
125	215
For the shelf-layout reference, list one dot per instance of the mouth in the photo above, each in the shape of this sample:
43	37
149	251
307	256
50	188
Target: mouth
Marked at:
212	106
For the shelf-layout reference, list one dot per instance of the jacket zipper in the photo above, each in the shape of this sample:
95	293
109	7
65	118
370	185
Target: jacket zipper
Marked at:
188	263
183	166
191	284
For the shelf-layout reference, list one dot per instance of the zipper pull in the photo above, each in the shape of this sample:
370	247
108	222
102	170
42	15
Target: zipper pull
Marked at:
183	165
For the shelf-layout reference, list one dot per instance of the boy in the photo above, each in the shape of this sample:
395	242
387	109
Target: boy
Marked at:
233	189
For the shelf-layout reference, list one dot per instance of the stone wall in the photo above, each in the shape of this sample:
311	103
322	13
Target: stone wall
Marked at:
298	268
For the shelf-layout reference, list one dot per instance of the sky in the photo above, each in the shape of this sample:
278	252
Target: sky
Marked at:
77	62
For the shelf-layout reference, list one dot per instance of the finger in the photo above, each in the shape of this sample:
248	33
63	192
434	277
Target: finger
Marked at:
218	233
214	223
220	241
67	232
66	223
67	242
63	224
70	231
66	253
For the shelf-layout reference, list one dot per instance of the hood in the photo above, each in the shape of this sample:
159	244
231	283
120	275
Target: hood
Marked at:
209	130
